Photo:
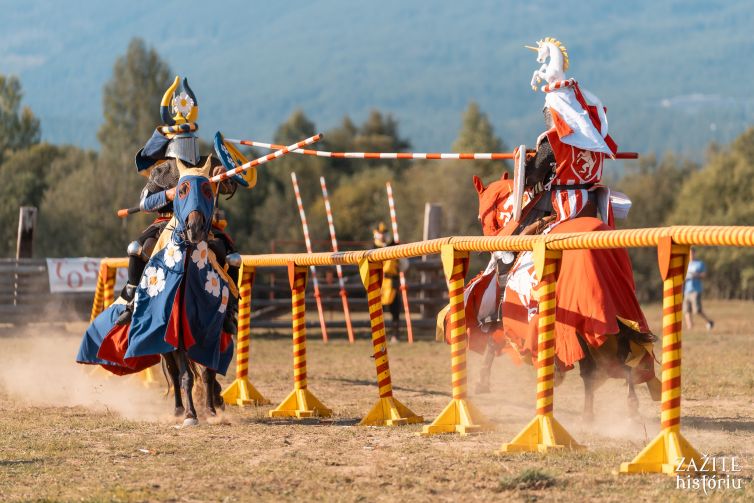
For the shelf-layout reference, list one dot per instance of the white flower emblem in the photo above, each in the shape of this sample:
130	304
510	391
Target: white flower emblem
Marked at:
182	104
153	281
200	255
213	283
173	255
224	301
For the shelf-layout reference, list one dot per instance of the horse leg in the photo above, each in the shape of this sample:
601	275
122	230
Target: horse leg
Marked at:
217	395
633	400
187	384
483	386
175	379
208	376
587	369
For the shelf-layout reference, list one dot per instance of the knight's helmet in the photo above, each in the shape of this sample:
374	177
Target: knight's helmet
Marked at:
179	110
180	127
380	235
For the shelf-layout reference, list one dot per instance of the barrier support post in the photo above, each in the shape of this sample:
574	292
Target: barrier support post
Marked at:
669	451
459	416
108	291
300	402
99	292
241	392
544	432
387	411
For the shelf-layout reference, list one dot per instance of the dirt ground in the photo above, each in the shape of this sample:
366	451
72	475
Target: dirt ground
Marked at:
69	434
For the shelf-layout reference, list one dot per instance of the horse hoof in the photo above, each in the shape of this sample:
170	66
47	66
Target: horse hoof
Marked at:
179	411
211	411
190	421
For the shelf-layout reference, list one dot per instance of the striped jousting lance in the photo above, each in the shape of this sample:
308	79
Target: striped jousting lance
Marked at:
280	152
338	268
308	242
489	156
401	275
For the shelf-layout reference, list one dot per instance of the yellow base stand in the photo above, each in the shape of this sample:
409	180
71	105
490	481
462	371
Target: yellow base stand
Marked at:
543	433
242	393
459	416
390	412
301	403
663	454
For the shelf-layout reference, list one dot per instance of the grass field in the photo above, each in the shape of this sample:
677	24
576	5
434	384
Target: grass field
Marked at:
67	434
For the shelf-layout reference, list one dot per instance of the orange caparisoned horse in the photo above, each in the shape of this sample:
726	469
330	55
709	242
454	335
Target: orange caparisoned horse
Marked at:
598	323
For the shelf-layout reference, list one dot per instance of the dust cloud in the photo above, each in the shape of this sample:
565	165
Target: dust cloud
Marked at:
38	368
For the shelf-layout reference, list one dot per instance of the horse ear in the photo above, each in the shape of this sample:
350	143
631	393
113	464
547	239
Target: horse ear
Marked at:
505	175
478	184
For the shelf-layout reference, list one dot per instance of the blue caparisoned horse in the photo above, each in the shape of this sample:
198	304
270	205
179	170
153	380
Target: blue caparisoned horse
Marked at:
180	303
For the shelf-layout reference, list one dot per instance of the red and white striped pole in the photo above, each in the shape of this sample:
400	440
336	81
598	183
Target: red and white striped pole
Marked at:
308	242
401	275
281	151
338	268
470	156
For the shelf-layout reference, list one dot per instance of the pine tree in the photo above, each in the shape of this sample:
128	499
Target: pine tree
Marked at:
18	128
478	135
131	101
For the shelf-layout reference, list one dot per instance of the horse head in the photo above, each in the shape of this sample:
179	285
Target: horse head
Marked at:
194	202
495	204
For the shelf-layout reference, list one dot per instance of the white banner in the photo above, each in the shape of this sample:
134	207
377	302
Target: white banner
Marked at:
70	275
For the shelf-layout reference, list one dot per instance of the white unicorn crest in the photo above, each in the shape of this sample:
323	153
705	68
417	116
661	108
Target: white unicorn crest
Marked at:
554	70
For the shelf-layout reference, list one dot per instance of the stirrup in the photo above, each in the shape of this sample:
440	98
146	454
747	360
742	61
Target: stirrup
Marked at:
126	315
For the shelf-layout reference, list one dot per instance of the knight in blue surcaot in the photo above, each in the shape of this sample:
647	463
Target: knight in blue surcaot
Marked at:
176	139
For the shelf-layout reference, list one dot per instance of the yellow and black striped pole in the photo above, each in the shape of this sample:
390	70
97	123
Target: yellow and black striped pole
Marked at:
669	450
459	416
99	292
387	411
108	291
544	432
300	402
241	392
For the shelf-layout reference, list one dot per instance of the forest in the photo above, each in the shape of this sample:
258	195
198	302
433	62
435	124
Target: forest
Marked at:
78	191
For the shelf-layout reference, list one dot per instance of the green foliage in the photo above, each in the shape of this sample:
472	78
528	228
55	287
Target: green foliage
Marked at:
723	194
18	128
131	102
653	187
478	135
360	203
25	176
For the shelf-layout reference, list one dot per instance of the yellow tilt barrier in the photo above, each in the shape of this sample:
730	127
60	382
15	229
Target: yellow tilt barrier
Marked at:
662	455
387	411
241	392
300	402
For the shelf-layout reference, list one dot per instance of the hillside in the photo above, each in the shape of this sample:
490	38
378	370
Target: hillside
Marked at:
671	73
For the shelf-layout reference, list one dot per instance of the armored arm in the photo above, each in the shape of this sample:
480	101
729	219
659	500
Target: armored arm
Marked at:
157	193
541	166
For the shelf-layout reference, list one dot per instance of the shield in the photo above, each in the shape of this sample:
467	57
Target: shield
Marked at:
231	158
519	177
